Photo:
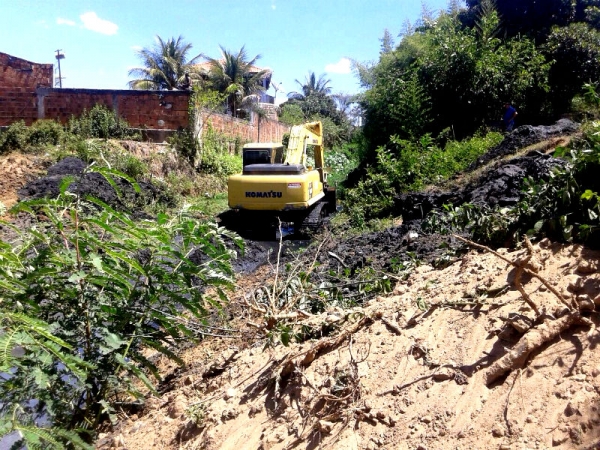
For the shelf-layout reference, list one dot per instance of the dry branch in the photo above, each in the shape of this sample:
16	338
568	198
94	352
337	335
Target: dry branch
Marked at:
321	346
517	265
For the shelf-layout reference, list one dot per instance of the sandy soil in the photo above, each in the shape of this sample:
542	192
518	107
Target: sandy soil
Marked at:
409	371
16	170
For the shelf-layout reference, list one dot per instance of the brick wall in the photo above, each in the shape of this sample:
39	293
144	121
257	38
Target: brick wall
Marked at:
270	130
18	81
141	109
26	93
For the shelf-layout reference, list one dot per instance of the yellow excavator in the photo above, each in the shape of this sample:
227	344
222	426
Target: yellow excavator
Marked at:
276	186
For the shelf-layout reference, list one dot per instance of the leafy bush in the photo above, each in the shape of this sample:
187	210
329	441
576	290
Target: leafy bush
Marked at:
45	132
100	122
405	166
220	154
110	287
185	144
15	137
19	136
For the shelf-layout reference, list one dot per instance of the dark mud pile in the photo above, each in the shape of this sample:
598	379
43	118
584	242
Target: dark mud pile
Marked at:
500	185
124	198
523	137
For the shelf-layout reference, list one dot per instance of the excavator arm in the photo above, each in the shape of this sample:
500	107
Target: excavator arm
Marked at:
300	137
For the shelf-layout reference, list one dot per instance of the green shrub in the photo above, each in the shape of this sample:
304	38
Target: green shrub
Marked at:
220	164
45	132
100	122
404	166
15	137
185	144
111	288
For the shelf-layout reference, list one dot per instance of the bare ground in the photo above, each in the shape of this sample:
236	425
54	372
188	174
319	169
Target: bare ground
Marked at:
409	371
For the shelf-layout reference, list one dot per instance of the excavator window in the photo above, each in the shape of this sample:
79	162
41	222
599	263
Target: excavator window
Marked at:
256	157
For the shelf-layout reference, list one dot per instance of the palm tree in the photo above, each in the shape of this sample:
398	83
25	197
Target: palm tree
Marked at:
310	86
165	66
236	76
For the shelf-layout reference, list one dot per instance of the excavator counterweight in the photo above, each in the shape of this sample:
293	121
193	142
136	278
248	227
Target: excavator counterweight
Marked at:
276	186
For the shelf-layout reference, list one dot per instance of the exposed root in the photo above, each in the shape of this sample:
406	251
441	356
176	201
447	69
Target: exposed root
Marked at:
323	345
519	271
532	340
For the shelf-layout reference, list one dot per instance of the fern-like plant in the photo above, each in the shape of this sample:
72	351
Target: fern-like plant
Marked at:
110	288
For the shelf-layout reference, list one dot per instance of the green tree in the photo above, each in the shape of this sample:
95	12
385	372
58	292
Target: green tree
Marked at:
165	66
291	114
235	75
311	85
575	50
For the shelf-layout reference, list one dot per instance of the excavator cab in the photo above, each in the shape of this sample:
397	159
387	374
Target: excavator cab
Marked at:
262	153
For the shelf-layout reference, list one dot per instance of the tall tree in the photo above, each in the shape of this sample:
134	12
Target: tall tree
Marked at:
165	66
235	75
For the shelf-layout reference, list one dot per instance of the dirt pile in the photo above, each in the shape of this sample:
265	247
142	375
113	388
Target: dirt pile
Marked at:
89	184
500	184
16	170
410	371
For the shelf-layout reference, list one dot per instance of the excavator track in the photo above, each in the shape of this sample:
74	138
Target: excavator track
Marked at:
313	221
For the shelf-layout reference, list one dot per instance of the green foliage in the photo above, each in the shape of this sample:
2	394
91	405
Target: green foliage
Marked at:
100	122
576	52
405	166
235	76
166	66
18	136
111	288
45	132
184	142
291	114
340	161
445	75
15	137
220	154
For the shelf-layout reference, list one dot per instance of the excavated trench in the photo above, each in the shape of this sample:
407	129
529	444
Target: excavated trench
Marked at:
499	184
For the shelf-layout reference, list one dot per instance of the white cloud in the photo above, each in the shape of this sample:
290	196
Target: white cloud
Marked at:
61	21
92	22
42	23
343	66
136	48
273	5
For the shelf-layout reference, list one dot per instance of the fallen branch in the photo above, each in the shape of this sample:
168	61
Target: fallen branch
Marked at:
532	340
391	326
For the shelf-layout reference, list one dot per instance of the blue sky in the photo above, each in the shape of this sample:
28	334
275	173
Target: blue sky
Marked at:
293	37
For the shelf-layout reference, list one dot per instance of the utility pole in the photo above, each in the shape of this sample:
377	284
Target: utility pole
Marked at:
59	56
276	88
